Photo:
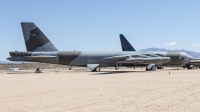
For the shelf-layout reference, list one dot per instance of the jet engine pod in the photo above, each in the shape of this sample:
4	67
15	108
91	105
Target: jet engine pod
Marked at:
166	59
191	67
148	60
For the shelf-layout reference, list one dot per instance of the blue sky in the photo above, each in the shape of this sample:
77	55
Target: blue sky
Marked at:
95	25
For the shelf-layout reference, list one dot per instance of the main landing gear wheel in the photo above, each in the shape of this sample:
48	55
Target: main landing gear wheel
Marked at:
153	68
160	67
97	69
70	67
116	67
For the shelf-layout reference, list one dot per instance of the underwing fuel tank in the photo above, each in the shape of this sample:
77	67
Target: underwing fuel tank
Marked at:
155	60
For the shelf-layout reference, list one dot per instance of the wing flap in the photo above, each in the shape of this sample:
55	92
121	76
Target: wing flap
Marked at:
122	57
39	57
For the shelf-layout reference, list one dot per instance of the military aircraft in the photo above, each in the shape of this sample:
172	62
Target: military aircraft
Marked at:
40	49
178	59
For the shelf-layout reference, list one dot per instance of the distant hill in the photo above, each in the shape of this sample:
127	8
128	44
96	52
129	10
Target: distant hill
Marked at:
191	53
3	62
9	62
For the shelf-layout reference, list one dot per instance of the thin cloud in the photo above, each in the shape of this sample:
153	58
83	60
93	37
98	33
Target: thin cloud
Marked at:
170	44
195	44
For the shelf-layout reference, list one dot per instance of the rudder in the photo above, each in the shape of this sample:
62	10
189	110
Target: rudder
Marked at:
126	46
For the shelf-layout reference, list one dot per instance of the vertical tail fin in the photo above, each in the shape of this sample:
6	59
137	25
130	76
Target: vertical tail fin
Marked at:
35	39
126	46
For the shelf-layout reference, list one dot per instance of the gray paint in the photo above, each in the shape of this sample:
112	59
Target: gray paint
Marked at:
177	58
46	47
42	50
27	27
35	39
81	58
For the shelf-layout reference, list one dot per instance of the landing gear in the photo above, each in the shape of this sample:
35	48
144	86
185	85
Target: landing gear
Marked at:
160	67
190	67
70	67
151	67
97	69
116	67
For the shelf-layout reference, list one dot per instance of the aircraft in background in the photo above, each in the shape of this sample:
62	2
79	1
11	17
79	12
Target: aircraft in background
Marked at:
40	49
178	59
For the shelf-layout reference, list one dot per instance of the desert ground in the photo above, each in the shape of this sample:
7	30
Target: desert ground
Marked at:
125	90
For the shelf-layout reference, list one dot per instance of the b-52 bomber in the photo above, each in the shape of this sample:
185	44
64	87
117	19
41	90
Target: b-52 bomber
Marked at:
41	49
178	59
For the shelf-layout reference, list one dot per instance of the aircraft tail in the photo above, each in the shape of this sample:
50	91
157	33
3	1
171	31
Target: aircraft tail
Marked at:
35	39
126	46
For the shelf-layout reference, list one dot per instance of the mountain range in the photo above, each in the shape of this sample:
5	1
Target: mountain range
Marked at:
9	62
191	53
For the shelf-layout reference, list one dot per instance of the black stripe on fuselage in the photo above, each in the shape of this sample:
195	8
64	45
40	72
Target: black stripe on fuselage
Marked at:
66	58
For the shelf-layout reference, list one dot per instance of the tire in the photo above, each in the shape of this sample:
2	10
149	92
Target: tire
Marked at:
153	68
160	67
98	69
116	67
